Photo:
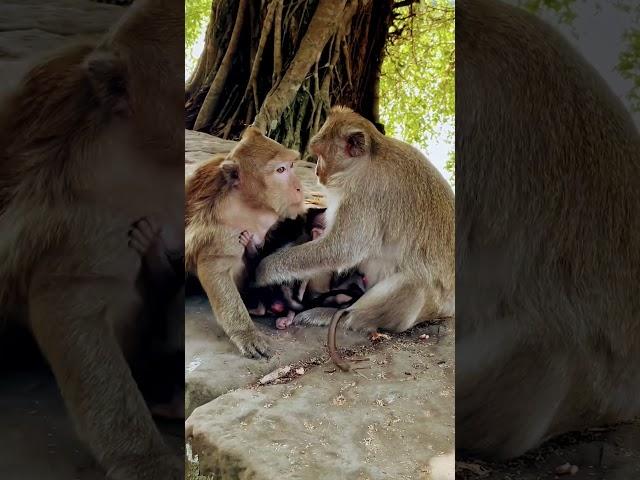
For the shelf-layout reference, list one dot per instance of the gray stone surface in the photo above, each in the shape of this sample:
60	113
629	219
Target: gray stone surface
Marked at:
388	421
213	365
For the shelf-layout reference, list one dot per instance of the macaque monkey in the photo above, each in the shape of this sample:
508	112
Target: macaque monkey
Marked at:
159	366
390	214
82	156
548	230
251	189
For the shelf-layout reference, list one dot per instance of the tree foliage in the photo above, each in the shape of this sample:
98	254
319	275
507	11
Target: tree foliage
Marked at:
417	87
196	14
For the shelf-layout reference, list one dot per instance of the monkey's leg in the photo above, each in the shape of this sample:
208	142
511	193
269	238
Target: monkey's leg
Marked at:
319	316
229	309
102	398
283	322
395	304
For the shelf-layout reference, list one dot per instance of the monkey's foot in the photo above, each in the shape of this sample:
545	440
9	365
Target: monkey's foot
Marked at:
252	344
283	322
319	316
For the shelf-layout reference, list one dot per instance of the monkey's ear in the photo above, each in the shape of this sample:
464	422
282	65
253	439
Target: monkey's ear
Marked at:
231	174
356	144
108	77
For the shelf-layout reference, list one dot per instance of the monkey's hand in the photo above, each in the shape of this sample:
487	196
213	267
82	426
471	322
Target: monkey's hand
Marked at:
252	344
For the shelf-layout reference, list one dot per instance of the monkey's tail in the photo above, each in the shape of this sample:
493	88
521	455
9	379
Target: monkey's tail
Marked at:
331	341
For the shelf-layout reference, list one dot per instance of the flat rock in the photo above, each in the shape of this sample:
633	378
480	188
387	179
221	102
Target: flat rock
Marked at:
213	365
394	420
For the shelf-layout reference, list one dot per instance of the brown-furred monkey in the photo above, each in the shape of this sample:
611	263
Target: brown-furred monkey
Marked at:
548	229
391	214
250	189
82	156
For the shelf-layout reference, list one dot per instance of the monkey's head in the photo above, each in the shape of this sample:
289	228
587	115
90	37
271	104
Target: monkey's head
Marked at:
344	142
265	174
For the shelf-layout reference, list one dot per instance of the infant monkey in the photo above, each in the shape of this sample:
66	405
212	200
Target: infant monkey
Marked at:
161	356
284	301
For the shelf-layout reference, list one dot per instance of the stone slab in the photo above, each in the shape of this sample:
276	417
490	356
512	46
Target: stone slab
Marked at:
394	420
213	365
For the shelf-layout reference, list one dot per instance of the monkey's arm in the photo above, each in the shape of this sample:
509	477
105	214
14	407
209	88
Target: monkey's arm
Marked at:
343	246
73	330
231	314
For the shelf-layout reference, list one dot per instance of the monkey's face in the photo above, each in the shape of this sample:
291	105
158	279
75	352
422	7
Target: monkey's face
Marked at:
283	187
267	173
341	144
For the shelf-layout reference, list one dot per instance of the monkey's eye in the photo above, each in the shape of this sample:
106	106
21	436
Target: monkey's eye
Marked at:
281	169
291	165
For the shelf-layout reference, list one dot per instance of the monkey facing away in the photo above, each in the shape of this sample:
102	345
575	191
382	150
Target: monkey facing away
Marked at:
391	215
548	251
251	189
82	156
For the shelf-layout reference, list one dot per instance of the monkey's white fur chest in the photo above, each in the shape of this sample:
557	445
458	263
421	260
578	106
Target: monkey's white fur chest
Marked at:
333	199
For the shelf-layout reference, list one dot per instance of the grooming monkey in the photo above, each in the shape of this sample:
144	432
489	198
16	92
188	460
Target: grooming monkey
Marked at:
251	189
79	144
548	257
391	215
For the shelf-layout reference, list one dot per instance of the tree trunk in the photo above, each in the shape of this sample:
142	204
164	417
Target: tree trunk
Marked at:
281	64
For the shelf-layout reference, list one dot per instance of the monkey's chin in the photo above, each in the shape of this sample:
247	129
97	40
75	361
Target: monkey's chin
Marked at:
295	210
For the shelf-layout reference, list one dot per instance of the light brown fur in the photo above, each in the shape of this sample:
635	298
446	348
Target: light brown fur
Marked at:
82	156
389	213
224	197
548	258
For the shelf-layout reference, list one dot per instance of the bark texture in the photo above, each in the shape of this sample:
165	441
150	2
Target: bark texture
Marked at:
281	64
